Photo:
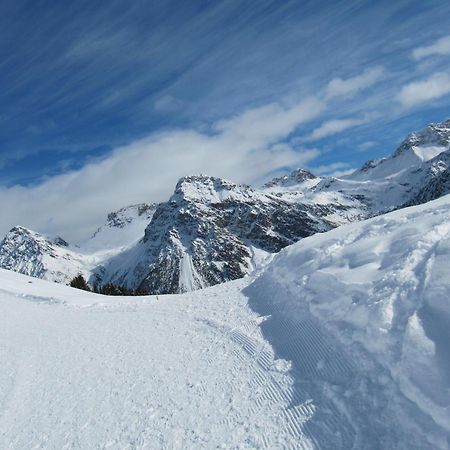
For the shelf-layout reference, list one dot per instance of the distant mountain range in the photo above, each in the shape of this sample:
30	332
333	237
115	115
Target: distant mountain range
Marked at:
212	230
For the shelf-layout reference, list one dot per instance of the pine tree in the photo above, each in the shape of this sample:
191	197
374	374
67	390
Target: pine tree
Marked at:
80	283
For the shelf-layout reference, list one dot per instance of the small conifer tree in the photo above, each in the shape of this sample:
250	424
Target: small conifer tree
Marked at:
80	283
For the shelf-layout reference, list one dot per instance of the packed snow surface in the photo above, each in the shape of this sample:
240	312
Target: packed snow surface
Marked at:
342	342
85	371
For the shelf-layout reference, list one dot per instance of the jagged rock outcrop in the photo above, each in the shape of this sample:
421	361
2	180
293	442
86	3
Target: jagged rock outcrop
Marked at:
33	254
293	179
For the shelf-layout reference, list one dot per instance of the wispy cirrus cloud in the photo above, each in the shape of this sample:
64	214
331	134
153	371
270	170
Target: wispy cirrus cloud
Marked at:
334	126
418	92
351	86
128	98
440	47
108	76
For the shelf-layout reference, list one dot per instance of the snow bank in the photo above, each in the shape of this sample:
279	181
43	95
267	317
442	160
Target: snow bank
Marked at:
374	295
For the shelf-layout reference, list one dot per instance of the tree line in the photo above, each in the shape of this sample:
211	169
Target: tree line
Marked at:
79	282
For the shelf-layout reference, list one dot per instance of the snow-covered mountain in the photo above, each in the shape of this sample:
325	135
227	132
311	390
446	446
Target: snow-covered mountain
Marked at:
212	230
33	254
418	171
123	227
30	253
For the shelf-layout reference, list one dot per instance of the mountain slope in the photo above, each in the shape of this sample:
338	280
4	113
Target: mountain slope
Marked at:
122	228
416	172
33	254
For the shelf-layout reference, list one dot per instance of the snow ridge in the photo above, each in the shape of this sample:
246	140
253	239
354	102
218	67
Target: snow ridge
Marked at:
367	308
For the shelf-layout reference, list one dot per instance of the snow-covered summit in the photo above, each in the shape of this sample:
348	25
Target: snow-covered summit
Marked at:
212	230
126	215
416	172
417	148
208	190
31	253
293	179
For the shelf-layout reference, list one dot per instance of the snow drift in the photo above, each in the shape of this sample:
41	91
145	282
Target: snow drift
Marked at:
363	312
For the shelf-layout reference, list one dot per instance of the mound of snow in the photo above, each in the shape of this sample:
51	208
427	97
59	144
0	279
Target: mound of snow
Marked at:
363	312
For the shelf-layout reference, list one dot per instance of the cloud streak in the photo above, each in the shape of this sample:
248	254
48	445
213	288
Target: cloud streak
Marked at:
334	126
423	91
441	47
246	147
348	87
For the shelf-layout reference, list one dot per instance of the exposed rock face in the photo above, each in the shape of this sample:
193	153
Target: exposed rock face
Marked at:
435	180
209	230
32	254
295	178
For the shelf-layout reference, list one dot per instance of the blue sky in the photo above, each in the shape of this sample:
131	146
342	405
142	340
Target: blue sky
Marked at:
241	89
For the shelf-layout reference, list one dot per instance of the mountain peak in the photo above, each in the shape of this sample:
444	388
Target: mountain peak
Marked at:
122	228
416	148
296	177
206	189
19	229
127	214
434	136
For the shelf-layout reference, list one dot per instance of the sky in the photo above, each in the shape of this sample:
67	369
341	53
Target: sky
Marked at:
105	104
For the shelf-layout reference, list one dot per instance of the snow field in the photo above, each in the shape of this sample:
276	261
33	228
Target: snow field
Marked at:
192	371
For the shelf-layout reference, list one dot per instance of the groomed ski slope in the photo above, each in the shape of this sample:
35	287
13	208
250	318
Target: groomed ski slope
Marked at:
342	342
189	371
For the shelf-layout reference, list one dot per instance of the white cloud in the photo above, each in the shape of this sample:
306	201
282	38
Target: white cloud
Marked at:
419	92
440	47
351	86
167	104
334	126
366	145
243	149
334	169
